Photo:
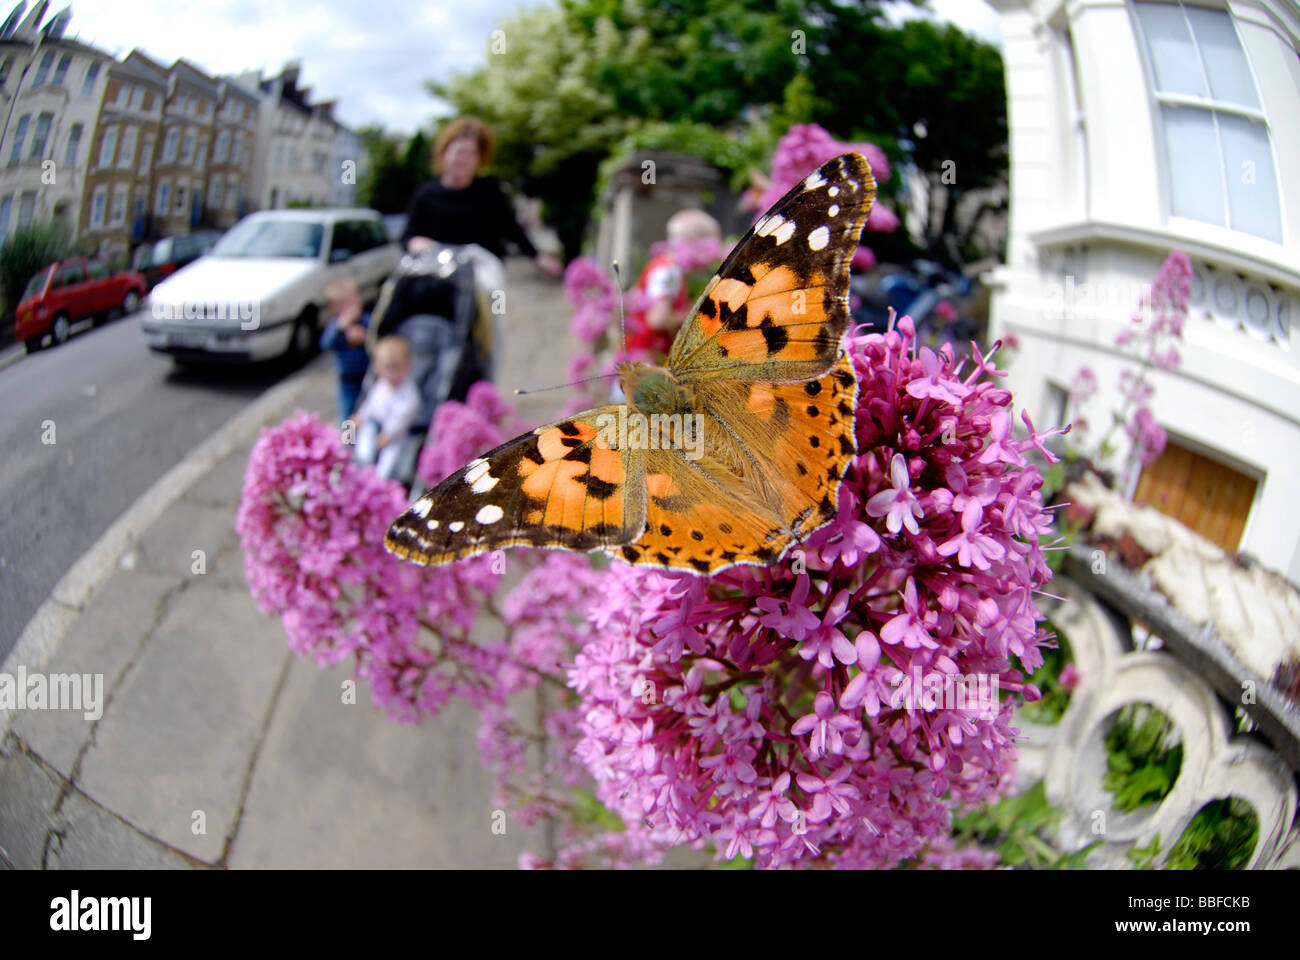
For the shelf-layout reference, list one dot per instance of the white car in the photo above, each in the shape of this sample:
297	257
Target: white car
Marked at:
260	292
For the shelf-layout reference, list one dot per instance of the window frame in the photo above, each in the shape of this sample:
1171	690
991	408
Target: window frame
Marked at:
41	140
20	139
1211	106
92	77
70	152
98	207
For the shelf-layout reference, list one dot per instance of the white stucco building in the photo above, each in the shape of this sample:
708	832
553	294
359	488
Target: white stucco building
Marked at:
51	90
1139	127
300	146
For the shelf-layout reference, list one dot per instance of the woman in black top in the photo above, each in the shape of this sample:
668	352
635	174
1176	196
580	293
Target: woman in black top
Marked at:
459	207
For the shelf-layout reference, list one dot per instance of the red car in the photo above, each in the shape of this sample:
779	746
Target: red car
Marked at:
71	290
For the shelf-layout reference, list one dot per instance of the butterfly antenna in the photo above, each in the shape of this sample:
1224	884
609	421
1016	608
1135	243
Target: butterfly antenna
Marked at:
622	316
622	325
572	383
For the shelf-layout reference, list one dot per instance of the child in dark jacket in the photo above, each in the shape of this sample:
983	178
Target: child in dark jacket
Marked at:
346	336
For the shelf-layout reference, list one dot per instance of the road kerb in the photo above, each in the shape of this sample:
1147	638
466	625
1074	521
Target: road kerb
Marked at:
44	632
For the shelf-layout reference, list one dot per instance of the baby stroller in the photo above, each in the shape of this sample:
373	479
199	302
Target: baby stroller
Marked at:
437	301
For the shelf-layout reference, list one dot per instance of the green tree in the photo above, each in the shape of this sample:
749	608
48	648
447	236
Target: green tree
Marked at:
567	86
386	185
950	96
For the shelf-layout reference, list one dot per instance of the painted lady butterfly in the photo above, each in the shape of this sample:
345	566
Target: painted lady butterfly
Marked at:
759	367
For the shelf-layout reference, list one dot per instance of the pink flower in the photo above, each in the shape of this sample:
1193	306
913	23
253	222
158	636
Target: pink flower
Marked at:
897	504
790	618
826	643
909	627
971	546
937	382
826	725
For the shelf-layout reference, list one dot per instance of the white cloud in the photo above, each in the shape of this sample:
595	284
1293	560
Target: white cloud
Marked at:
373	57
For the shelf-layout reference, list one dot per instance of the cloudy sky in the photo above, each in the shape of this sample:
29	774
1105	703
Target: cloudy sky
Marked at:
371	55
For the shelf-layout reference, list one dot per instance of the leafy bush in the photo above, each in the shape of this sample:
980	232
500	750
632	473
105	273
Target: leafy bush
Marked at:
1053	681
1017	827
1143	757
1221	836
32	246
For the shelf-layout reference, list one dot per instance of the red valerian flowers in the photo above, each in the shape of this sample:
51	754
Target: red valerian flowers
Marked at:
780	726
832	709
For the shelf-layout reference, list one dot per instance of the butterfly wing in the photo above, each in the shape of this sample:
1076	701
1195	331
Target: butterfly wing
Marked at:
561	485
769	477
778	306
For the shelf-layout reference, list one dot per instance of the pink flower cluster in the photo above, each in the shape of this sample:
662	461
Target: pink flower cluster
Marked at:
594	298
691	253
312	527
776	713
1158	320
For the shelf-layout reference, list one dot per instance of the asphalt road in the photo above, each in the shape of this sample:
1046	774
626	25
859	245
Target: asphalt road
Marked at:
122	417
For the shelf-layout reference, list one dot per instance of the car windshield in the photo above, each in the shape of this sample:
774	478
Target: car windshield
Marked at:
162	252
37	282
271	238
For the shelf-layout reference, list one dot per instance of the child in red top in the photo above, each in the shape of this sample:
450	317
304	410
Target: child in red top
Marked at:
663	281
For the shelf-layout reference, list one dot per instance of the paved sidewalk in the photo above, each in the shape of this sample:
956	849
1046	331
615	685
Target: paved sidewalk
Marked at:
217	747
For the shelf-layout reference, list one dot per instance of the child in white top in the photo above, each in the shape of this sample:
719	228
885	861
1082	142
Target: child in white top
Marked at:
389	408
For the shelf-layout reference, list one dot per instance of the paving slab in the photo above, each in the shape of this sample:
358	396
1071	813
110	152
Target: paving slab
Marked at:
224	484
169	546
91	838
26	802
177	739
102	642
341	785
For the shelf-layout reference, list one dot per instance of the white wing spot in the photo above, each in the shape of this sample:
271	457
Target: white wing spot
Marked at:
833	190
455	526
814	181
475	470
484	483
489	514
421	509
784	232
819	238
768	224
432	524
834	210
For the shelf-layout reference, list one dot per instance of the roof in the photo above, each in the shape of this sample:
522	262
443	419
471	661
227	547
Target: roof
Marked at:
136	72
193	75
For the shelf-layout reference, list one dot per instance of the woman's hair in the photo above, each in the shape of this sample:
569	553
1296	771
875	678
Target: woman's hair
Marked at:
471	127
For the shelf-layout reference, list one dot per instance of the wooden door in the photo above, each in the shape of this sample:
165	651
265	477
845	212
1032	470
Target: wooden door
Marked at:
1202	494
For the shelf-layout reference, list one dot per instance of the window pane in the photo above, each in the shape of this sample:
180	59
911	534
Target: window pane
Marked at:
1195	173
1253	200
1224	60
1177	67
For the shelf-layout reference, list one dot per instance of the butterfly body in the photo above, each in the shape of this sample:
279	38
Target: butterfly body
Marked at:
652	389
729	454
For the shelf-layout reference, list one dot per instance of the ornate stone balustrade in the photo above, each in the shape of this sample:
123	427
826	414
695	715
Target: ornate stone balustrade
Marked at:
1196	682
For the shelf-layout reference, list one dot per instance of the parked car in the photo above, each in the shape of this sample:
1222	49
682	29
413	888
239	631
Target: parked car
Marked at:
71	290
260	292
160	260
395	226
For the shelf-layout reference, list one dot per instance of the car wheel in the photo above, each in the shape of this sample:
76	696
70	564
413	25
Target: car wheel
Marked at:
61	328
305	336
130	303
